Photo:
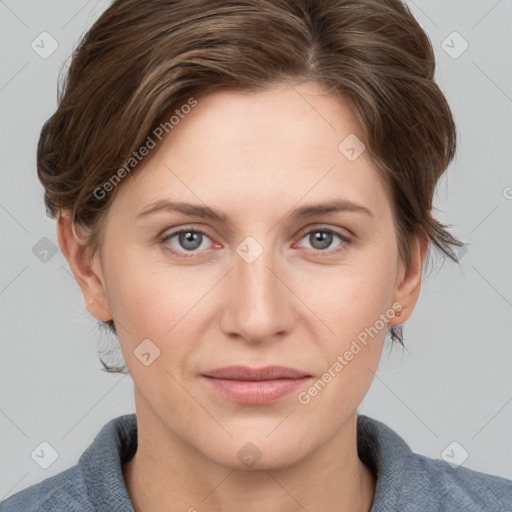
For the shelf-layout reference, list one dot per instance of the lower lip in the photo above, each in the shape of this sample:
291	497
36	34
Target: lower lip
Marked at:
256	392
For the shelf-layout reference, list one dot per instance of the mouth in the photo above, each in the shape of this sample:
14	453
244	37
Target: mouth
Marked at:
255	386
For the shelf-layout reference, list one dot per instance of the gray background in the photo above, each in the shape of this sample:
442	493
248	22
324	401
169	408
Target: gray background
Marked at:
452	383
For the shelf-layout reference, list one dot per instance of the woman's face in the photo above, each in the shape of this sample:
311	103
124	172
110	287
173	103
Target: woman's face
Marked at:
268	285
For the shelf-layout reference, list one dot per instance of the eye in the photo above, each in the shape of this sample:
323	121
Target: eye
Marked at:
187	240
322	238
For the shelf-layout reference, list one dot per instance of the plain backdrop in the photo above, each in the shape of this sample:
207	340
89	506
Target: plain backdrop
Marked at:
453	383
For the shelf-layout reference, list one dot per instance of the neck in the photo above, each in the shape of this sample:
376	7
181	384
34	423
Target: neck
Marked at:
167	474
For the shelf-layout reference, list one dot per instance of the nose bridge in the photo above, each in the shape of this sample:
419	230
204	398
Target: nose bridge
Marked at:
256	278
258	302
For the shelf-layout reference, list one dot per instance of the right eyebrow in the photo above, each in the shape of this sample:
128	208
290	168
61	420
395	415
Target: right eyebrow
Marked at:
194	210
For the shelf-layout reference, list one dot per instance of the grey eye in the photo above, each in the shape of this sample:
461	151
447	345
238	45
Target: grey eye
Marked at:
190	240
321	239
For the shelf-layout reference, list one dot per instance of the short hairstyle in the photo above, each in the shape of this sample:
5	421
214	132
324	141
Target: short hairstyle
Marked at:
142	59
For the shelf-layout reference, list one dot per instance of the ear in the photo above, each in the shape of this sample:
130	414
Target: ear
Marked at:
88	274
408	284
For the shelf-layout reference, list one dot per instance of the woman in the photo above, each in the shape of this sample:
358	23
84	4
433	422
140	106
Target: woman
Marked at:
243	191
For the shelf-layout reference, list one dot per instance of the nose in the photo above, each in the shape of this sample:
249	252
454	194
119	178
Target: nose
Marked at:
260	303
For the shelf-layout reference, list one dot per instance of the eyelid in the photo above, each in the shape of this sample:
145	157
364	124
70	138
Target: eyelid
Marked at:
346	242
167	235
323	227
345	239
172	232
303	231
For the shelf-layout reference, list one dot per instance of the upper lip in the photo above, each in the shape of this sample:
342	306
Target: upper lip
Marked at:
247	373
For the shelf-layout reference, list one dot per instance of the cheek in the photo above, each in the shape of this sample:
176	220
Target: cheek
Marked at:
145	294
152	299
155	301
357	314
355	303
350	297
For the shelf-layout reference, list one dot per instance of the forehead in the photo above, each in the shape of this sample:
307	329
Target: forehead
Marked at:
288	114
268	148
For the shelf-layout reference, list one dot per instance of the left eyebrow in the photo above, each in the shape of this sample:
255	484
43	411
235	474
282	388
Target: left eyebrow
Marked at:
336	205
205	212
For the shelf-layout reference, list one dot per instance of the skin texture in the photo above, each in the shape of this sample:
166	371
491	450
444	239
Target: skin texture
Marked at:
255	157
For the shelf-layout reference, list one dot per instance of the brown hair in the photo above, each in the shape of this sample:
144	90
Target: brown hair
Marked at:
144	58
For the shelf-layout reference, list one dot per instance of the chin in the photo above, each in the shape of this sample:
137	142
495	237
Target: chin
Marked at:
258	454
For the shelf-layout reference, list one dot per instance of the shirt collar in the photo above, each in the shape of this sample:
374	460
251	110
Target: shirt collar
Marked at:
102	464
385	453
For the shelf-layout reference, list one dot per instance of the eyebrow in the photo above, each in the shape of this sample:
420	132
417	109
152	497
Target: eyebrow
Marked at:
205	212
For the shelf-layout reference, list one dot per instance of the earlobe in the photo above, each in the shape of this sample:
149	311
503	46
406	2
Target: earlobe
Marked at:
408	286
88	273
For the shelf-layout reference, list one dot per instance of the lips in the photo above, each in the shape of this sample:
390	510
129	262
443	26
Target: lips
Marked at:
255	374
255	386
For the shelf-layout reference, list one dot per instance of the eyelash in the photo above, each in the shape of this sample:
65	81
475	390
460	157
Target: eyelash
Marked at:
316	253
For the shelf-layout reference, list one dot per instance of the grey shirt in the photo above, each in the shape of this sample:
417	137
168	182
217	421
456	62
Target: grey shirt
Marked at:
406	481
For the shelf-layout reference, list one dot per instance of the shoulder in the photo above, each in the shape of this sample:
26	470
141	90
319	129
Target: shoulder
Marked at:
94	483
62	492
408	481
460	488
